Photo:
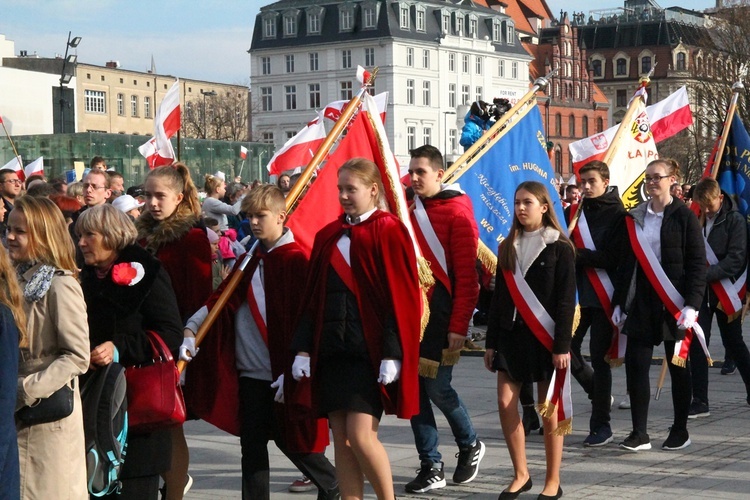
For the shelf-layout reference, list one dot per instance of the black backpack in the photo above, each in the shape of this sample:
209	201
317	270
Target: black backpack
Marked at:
105	425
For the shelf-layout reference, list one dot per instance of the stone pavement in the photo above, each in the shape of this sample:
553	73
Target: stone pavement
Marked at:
717	465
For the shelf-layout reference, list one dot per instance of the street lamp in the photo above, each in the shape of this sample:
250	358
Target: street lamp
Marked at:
66	74
210	93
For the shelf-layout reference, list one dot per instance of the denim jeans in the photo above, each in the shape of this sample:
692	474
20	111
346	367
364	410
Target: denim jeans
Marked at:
440	392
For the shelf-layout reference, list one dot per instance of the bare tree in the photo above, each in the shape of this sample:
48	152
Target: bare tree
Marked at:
224	117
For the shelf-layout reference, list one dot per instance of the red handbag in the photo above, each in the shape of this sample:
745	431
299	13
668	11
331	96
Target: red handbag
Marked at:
154	394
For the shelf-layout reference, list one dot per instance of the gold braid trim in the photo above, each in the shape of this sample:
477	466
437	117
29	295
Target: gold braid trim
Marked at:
428	368
546	409
564	428
426	281
487	257
678	361
425	314
576	319
710	361
450	358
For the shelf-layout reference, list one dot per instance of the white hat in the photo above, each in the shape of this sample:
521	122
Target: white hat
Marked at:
126	203
220	175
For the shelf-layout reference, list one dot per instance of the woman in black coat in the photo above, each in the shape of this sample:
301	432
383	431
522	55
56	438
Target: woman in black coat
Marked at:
673	233
127	292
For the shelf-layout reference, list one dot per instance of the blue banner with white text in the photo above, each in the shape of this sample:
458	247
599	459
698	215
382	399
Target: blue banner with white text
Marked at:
491	182
734	171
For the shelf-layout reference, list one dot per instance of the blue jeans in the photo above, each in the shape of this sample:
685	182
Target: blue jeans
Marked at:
440	392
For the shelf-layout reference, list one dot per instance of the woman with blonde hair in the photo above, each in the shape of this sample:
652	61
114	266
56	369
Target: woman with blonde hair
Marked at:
216	188
12	336
537	255
52	455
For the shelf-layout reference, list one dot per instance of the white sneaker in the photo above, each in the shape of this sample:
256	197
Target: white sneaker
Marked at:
188	484
625	403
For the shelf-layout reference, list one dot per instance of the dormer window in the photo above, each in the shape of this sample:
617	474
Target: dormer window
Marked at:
510	33
269	26
496	31
369	16
346	18
459	24
313	23
404	16
421	19
473	26
290	24
446	23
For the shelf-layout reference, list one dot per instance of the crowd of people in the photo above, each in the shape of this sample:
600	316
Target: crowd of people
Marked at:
309	347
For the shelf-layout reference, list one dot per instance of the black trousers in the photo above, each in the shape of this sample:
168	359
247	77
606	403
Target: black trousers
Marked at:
637	366
258	426
581	371
731	337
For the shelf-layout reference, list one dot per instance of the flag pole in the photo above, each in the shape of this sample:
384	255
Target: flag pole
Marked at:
291	200
472	154
624	127
12	144
737	87
242	165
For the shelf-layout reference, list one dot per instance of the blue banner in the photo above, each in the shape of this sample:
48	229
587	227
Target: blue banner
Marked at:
734	171
491	183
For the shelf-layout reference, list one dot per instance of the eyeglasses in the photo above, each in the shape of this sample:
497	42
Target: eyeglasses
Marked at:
654	179
87	185
13	181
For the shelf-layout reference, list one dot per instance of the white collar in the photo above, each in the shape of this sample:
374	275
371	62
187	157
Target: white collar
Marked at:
360	218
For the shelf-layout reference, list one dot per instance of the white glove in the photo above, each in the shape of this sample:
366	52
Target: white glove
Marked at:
619	317
301	367
188	349
390	369
279	386
687	318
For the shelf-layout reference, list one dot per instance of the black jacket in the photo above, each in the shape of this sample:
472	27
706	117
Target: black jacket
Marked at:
683	258
605	216
728	240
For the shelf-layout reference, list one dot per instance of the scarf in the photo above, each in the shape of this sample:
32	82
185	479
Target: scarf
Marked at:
39	284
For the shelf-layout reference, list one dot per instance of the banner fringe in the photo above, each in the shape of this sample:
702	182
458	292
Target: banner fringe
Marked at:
564	428
678	361
546	409
428	368
450	358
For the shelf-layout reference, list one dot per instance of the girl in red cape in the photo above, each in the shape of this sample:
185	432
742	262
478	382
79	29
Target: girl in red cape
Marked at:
359	337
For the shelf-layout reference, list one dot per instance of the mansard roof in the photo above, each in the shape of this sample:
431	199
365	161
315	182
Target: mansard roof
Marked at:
647	33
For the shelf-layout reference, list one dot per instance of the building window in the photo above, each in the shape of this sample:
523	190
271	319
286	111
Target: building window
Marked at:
289	63
409	91
346	59
452	139
314	61
479	92
473	25
427	135
265	65
599	125
479	65
267	137
571	126
410	56
147	107
426	93
121	104
464	94
680	66
404	17
369	17
645	64
514	70
369	57
133	105
622	66
501	68
290	94
96	101
290	25
411	138
510	34
269	27
465	63
266	101
452	62
290	134
558	125
585	126
313	24
426	59
420	19
596	67
459	24
452	95
314	95
585	93
346	19
496	31
346	90
446	24
622	98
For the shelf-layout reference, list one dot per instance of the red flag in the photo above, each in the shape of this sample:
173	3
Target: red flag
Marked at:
299	150
158	150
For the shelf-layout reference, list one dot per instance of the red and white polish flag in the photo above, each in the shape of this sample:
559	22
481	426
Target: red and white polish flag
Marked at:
243	152
16	165
299	150
36	167
158	150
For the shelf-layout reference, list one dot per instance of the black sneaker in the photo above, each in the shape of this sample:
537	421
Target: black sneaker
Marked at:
468	463
698	409
598	438
429	477
676	440
729	367
636	442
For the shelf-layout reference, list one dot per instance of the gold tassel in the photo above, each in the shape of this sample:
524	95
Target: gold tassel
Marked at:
487	258
576	318
428	368
710	361
426	279
450	358
678	361
546	409
564	428
615	363
425	315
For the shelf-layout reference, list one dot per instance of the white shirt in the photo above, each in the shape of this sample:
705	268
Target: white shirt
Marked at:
652	229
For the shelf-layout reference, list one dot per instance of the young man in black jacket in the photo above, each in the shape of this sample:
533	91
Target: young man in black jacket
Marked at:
725	232
600	237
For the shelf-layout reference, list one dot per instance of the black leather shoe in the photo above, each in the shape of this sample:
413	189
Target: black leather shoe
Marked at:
551	497
510	495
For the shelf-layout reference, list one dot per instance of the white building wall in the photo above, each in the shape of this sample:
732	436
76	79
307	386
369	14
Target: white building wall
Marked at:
26	101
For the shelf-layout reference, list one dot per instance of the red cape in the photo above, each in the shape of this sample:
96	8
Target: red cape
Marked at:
384	268
212	383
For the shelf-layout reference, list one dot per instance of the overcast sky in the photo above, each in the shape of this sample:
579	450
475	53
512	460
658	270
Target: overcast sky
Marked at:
206	39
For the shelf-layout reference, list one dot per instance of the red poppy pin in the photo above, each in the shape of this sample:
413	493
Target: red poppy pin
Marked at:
128	273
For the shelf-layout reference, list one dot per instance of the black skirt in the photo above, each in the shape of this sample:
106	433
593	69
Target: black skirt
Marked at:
350	384
522	356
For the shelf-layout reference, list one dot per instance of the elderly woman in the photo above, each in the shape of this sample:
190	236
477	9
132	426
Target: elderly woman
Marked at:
127	292
52	456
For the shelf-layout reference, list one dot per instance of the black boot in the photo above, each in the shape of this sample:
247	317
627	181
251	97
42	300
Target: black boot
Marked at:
530	419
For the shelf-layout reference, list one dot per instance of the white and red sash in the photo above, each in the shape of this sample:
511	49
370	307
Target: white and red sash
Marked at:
670	297
730	294
542	326
341	262
256	300
603	287
430	245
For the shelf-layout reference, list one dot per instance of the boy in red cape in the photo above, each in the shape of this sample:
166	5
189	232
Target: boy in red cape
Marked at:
238	382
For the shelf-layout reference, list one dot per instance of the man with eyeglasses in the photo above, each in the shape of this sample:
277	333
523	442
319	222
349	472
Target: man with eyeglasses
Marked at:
10	189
